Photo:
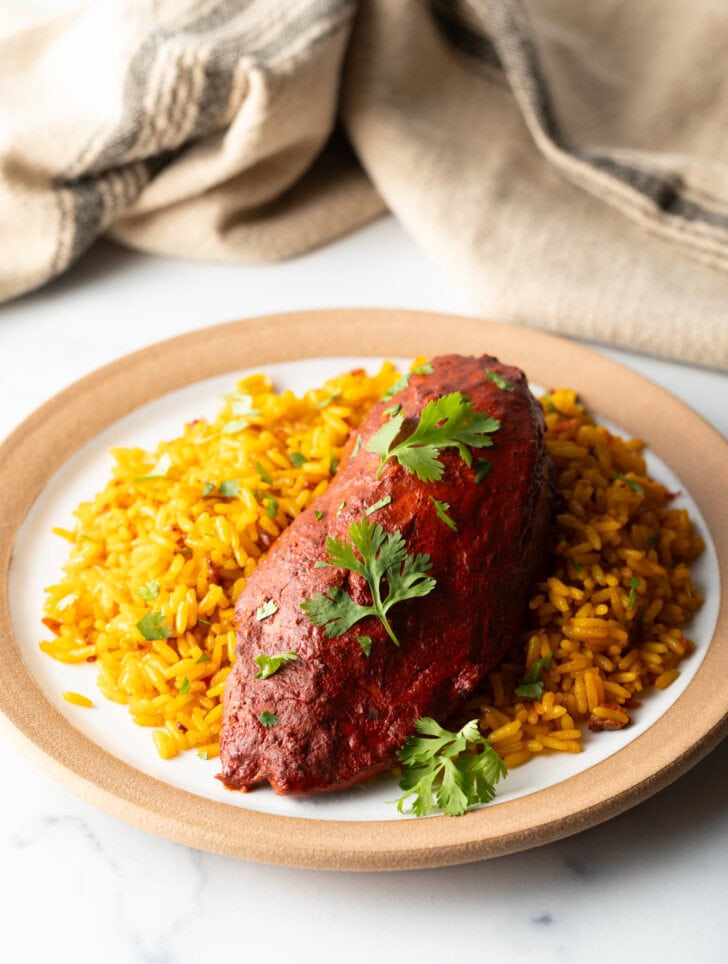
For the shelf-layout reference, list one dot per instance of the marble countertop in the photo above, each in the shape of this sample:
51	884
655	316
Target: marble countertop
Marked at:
79	886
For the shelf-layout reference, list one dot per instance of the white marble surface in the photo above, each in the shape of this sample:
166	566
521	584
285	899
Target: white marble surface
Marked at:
77	885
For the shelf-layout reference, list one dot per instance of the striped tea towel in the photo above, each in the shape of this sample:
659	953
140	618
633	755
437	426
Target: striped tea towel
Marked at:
568	162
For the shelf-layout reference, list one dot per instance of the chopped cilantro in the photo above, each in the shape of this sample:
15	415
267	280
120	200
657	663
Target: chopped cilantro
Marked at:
380	504
398	386
263	473
393	409
342	506
318	514
366	644
531	686
268	665
184	687
149	591
357	444
425	369
333	464
234	426
634	486
207	489
634	585
441	509
267	609
329	399
229	489
483	470
203	657
271	505
241	404
445	422
500	381
203	754
382	556
577	565
153	626
297	458
268	719
164	464
452	772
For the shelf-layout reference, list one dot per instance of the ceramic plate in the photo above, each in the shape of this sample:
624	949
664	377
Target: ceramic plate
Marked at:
60	456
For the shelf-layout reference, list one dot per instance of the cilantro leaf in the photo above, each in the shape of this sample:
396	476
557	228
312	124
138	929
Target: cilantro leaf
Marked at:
634	486
393	409
267	609
184	686
333	464
268	719
263	473
398	386
268	665
366	644
229	489
375	506
425	369
203	657
382	556
152	626
207	489
441	509
318	514
446	422
483	470
634	585
441	771
234	426
357	444
149	591
325	402
164	464
297	459
271	505
531	686
500	381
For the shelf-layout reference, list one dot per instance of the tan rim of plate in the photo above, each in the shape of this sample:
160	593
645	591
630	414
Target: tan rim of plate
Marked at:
685	733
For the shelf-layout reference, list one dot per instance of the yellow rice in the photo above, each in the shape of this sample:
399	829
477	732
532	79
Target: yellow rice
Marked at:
162	529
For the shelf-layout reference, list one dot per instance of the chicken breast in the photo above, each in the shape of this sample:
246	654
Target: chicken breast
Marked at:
339	710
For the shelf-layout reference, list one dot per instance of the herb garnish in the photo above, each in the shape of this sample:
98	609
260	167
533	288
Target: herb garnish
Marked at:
230	488
207	489
271	664
441	509
635	486
333	464
267	609
203	657
366	644
203	754
149	591
263	473
357	444
297	458
398	386
382	556
268	719
329	399
375	506
441	772
271	505
393	409
318	514
483	470
152	626
164	464
445	422
234	426
634	585
532	686
500	381
424	369
342	506
184	686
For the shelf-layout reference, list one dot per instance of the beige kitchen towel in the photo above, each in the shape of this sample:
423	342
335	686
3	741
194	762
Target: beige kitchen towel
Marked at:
568	162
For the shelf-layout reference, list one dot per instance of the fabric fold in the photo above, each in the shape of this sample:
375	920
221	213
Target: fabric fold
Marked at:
567	163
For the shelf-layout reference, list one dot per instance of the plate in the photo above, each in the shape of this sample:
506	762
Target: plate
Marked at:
47	465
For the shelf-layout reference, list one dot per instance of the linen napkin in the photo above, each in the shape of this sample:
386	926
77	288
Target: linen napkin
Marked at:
567	162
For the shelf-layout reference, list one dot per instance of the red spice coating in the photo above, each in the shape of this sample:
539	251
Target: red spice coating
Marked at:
342	716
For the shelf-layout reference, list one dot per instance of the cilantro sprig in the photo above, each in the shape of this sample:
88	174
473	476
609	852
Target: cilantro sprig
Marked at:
452	772
382	556
446	422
